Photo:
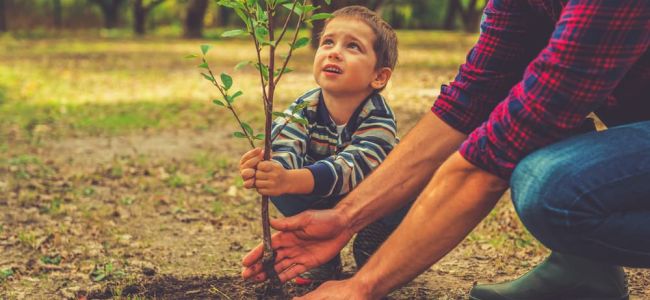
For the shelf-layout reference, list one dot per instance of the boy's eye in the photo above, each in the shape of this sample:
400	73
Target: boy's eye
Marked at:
354	46
327	42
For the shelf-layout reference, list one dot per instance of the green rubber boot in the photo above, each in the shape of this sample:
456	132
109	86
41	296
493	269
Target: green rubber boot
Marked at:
560	277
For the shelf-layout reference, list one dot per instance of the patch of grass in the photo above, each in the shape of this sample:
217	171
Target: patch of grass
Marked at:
53	208
5	274
217	208
106	271
88	191
28	239
51	259
127	200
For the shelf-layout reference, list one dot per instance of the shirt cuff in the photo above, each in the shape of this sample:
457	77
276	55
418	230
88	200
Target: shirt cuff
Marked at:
323	178
482	153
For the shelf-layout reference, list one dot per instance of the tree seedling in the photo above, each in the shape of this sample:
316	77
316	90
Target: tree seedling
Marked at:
259	18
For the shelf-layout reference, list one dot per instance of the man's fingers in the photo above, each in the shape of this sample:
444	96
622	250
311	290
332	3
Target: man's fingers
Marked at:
297	222
249	184
292	272
253	256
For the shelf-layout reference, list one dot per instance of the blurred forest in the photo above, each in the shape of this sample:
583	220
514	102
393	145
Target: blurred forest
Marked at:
189	18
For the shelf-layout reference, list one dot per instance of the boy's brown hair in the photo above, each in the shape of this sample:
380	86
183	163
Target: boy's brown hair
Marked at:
385	44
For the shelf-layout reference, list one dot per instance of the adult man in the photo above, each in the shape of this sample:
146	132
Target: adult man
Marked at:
539	68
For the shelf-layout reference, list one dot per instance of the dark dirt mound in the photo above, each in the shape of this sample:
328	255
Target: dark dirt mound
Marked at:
197	287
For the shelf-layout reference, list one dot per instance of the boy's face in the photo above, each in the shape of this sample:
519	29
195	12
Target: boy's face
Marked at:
345	60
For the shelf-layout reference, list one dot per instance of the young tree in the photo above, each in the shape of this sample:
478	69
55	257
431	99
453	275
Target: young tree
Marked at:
3	20
110	10
259	19
141	9
194	16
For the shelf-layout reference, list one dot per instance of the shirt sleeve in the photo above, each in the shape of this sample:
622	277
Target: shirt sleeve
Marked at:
370	144
593	46
290	147
495	63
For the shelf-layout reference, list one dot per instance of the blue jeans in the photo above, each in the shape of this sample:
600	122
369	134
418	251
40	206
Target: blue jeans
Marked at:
290	205
589	195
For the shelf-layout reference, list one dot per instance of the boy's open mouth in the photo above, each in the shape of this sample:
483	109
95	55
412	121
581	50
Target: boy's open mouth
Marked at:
332	69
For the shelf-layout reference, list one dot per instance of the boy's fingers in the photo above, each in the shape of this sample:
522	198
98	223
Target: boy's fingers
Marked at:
247	173
250	183
248	155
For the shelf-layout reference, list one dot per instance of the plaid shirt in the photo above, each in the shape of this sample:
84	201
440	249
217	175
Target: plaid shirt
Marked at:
338	163
539	68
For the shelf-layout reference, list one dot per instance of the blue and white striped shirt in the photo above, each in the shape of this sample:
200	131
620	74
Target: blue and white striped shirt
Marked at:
338	163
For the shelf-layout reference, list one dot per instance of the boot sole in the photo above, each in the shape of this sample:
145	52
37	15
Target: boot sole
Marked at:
626	297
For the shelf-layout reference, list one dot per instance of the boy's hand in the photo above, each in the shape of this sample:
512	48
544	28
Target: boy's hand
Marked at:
271	178
248	165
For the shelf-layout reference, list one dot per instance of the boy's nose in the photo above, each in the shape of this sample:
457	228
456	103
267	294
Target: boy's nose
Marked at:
334	54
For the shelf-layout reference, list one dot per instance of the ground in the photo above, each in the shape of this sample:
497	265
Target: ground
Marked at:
118	177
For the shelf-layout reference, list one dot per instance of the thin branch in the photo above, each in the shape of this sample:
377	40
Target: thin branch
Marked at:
286	122
286	22
230	107
295	35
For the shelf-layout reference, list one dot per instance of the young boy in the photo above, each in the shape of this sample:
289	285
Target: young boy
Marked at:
350	127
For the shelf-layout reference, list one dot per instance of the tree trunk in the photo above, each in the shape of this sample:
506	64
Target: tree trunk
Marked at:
194	18
110	10
139	17
453	6
58	12
472	17
3	20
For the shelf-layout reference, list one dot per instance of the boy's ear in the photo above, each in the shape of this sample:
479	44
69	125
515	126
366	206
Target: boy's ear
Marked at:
381	78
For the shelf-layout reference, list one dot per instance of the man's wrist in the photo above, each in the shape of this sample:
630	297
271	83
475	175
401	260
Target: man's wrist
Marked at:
365	286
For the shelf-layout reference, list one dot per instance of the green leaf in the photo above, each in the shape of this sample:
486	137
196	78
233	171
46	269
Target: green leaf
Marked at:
264	69
297	9
259	136
239	134
204	65
231	99
247	127
279	114
226	80
242	64
261	32
99	277
286	70
244	17
218	102
191	56
328	2
299	120
320	16
309	8
205	49
301	42
231	33
208	77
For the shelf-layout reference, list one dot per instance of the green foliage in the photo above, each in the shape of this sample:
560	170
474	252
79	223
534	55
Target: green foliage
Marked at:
105	272
51	260
6	273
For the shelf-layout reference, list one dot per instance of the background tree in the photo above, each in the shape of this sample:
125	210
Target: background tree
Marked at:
57	12
3	20
194	16
140	12
470	15
110	10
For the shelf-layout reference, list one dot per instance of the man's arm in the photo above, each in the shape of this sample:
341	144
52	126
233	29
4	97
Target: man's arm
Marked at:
403	174
452	204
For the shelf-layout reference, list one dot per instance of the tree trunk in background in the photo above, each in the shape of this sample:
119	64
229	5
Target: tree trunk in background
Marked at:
223	16
3	20
336	4
140	12
472	16
58	14
110	10
453	6
194	18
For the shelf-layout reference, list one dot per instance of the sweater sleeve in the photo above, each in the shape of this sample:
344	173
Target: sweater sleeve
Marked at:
290	147
370	144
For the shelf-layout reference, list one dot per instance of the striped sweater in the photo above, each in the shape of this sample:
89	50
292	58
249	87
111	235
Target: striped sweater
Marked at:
338	163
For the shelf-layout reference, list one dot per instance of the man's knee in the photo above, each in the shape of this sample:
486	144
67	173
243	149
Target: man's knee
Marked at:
539	193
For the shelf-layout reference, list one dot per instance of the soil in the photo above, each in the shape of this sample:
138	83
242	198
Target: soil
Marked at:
161	216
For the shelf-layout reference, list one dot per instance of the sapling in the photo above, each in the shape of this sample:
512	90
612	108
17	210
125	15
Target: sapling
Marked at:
259	17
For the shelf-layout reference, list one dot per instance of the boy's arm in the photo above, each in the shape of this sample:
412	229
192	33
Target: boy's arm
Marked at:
371	143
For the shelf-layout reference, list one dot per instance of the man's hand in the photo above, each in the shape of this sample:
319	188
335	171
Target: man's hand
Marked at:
332	290
248	165
305	241
272	179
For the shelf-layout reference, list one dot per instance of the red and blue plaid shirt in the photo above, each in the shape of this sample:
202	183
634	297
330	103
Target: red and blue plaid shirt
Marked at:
539	68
